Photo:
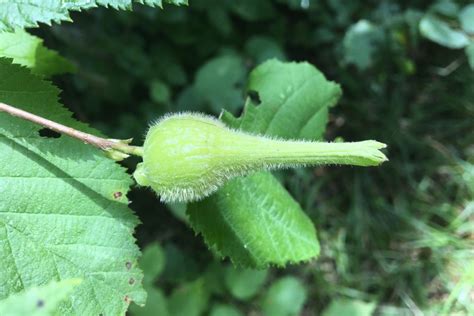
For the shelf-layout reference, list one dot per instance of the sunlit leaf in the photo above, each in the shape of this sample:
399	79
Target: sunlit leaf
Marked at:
66	213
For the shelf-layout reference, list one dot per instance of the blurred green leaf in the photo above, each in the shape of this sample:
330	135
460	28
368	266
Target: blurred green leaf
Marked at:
156	304
440	32
179	266
466	17
285	297
470	55
29	51
219	82
446	7
189	100
219	17
263	48
468	177
253	10
189	299
244	284
39	301
152	263
178	210
224	310
160	92
166	65
214	277
339	307
360	44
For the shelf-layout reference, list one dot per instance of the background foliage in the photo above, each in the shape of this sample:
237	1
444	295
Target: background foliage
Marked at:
397	239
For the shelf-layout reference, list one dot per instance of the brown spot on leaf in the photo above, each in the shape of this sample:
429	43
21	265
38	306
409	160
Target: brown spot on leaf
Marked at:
40	303
128	265
117	195
131	281
127	299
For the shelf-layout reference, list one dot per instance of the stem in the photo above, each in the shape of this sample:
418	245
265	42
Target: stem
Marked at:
112	146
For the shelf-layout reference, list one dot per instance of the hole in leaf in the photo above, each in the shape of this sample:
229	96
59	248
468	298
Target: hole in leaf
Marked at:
46	132
254	96
128	265
131	281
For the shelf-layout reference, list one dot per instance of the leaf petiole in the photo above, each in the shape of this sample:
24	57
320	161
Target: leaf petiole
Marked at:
117	149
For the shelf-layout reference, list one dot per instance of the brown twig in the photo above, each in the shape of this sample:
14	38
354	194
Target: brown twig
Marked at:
112	146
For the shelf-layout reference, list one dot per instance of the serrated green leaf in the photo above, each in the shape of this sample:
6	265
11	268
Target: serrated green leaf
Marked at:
63	211
244	284
159	3
254	220
291	94
285	297
28	13
29	51
151	3
152	262
466	17
39	301
177	2
440	32
349	307
21	14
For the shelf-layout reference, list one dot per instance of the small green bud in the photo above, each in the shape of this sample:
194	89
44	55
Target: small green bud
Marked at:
188	156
